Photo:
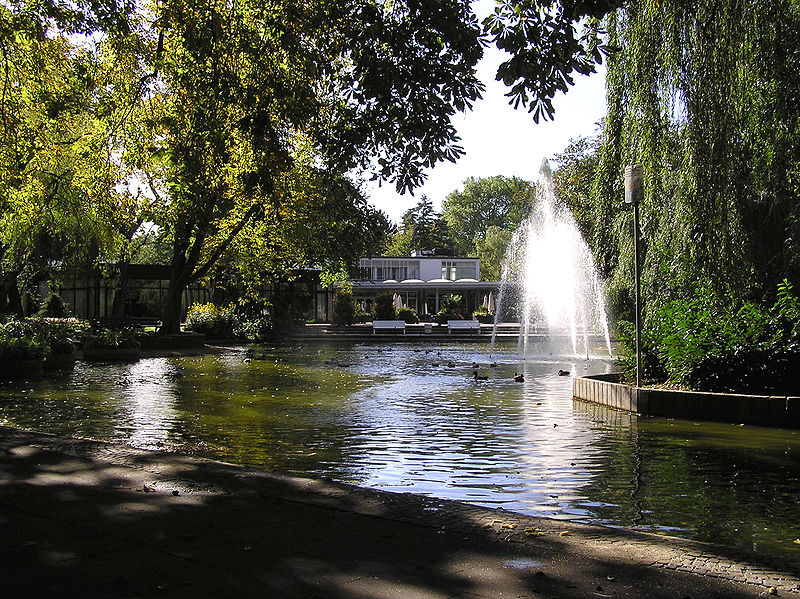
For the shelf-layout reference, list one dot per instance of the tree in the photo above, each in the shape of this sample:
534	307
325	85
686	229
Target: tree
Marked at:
245	83
56	150
422	229
316	221
548	41
704	96
491	250
576	169
486	202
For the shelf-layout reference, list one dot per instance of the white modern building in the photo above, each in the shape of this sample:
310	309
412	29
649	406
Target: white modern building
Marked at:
420	281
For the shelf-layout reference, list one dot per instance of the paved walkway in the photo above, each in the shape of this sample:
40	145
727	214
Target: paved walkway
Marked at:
93	519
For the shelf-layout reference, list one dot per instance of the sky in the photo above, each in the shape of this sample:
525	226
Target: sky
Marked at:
499	140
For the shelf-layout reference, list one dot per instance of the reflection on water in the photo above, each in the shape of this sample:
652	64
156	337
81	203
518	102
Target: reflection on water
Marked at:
412	418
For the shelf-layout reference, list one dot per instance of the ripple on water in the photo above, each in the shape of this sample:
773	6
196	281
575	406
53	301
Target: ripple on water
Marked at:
392	420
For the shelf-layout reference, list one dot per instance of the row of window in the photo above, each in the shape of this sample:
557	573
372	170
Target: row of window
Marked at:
399	270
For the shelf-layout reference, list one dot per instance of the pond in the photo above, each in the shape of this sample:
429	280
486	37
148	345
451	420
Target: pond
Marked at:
412	418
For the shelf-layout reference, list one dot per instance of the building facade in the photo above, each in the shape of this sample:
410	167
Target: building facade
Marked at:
421	280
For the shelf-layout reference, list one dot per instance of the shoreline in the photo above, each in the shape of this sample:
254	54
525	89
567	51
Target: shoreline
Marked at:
115	493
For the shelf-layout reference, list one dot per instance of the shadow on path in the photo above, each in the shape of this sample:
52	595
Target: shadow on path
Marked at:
105	520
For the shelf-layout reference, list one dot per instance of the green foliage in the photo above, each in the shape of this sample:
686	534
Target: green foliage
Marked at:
111	339
422	229
529	31
60	335
21	348
482	315
220	114
492	250
19	340
54	307
383	307
407	315
709	344
216	322
255	329
576	169
344	307
704	96
484	204
450	303
449	308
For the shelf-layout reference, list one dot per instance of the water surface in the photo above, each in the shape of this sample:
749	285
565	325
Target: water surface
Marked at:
411	418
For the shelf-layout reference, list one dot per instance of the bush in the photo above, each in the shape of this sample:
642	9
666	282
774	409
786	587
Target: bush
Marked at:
450	303
216	322
344	307
54	307
384	309
111	339
449	306
255	329
407	315
19	340
483	315
21	348
61	335
706	344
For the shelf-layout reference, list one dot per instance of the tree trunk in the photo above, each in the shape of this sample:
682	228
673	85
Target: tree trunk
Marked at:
10	292
121	295
180	273
171	312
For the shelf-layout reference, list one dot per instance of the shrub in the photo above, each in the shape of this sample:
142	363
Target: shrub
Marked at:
709	345
344	307
384	309
256	329
59	334
54	307
19	340
111	339
21	348
449	306
450	303
217	322
407	315
483	315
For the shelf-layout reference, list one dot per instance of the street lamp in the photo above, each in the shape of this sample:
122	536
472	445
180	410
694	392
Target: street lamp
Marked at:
634	194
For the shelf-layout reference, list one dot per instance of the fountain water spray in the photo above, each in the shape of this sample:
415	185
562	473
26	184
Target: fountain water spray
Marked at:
551	271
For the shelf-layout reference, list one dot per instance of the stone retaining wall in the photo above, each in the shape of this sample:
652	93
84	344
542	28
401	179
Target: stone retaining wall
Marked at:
761	410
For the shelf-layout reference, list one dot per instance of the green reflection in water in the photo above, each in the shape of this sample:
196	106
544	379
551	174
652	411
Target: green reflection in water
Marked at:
383	415
709	481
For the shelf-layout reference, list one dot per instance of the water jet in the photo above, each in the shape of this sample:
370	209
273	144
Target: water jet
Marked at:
550	270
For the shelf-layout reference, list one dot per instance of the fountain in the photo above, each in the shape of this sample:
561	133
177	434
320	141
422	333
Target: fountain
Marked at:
552	271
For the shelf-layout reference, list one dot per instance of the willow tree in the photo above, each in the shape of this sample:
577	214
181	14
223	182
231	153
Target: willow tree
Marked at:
705	95
56	172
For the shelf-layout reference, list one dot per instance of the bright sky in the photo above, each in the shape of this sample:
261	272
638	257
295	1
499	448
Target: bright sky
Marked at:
499	140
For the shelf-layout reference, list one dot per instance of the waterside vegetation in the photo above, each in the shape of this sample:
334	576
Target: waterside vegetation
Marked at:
230	142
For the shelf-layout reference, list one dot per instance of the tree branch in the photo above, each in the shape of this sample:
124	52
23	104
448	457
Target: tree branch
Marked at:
215	255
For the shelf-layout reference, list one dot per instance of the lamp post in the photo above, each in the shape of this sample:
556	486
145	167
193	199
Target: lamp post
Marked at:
634	194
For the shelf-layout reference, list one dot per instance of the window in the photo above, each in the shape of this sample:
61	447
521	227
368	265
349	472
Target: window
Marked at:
394	269
454	270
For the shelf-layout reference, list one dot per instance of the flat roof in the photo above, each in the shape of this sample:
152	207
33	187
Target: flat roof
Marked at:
423	285
420	257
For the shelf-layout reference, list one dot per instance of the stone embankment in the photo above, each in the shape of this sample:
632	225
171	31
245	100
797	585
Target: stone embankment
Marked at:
762	410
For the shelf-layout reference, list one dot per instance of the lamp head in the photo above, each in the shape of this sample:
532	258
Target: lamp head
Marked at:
634	184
